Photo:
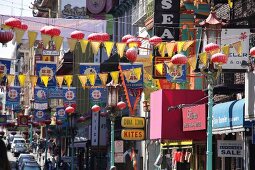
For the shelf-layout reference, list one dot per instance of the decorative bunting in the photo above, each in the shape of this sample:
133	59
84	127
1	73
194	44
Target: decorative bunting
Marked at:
84	44
127	74
45	39
22	79
33	80
180	45
95	47
230	3
170	48
92	79
187	44
115	76
103	77
138	72
108	46
225	50
31	38
68	79
192	61
203	58
10	79
132	44
162	49
19	33
71	43
159	68
60	80
45	80
58	42
238	47
83	80
120	48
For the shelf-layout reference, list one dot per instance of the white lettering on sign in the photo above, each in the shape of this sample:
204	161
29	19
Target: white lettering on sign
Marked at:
167	18
230	148
166	4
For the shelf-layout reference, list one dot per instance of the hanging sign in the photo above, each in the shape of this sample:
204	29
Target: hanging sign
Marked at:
40	95
69	95
94	128
230	148
176	74
46	69
40	115
160	60
23	120
61	115
5	65
132	134
55	93
13	94
91	68
97	96
133	122
50	53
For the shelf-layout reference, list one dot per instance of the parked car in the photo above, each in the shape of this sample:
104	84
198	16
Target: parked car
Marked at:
19	148
10	138
22	158
17	141
30	165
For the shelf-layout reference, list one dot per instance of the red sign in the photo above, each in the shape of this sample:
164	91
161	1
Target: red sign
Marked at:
23	120
194	118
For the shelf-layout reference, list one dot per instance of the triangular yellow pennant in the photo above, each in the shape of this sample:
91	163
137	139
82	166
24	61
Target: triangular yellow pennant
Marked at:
68	79
238	47
203	58
137	72
31	38
127	74
115	76
225	49
159	68
45	80
187	44
95	47
92	79
19	33
1	76
10	79
33	80
71	43
120	48
103	77
5	27
58	42
230	3
170	48
22	79
84	44
162	49
132	44
192	61
83	80
180	45
45	39
108	46
60	80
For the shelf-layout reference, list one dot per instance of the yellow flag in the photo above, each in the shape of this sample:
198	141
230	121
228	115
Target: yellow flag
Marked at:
31	38
127	74
115	76
45	80
103	77
238	48
19	33
137	72
22	79
132	44
230	3
203	58
84	44
33	80
68	79
162	49
187	44
120	49
92	79
10	79
180	45
5	27
170	48
83	80
60	80
192	61
108	46
45	39
58	42
225	50
95	47
71	43
159	68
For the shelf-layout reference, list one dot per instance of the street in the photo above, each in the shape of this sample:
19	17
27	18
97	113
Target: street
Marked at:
12	160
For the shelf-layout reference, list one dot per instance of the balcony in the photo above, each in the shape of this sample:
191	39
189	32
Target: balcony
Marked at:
139	12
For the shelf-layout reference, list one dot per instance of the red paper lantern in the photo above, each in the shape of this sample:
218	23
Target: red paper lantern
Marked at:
81	119
5	36
13	22
155	40
59	122
47	122
121	105
211	47
95	108
134	40
52	31
23	26
104	37
127	37
69	110
179	59
219	58
94	37
77	35
252	51
131	54
42	30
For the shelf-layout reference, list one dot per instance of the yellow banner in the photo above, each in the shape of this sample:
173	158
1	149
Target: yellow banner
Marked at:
115	76
187	44
95	47
180	45
103	77
33	80
225	50
162	49
138	72
120	49
84	44
31	38
127	74
45	39
203	58
238	47
108	46
92	79
159	68
60	80
58	42
22	79
71	43
10	79
83	80
170	48
45	80
192	61
19	33
68	79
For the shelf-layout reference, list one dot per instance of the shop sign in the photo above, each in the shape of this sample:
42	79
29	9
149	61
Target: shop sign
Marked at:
118	158
94	128
119	145
230	148
132	122
194	118
50	53
253	133
132	134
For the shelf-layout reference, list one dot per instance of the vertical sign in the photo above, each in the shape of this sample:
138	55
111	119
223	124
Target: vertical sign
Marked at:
253	133
94	135
103	132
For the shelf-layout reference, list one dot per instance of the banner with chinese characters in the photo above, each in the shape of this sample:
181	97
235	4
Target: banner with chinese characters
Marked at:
55	93
91	68
61	115
13	94
40	115
46	69
40	95
134	86
5	65
69	95
98	96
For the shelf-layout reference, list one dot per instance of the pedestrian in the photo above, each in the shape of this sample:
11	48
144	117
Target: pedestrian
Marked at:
5	165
